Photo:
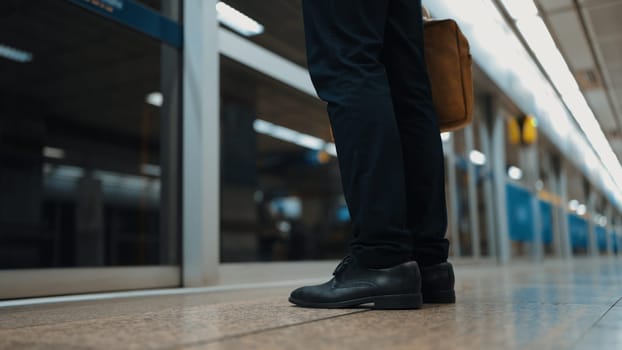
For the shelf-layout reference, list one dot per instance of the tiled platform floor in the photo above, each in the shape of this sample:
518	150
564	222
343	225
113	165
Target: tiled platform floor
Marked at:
555	305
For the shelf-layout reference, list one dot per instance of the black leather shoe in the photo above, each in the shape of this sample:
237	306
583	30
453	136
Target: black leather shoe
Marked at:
397	287
437	284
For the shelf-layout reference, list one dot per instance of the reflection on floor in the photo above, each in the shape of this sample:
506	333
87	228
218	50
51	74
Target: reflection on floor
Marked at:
554	306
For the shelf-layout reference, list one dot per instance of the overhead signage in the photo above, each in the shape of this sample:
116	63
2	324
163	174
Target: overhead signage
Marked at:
138	17
106	5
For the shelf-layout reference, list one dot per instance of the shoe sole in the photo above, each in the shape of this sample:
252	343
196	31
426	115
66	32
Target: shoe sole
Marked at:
381	302
440	297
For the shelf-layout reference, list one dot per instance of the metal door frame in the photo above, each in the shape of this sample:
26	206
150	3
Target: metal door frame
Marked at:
23	283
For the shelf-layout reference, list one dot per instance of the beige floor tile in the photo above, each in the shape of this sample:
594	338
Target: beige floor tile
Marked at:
166	327
606	334
600	338
81	311
555	305
463	326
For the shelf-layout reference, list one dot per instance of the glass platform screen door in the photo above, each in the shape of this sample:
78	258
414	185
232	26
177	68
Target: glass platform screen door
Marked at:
89	125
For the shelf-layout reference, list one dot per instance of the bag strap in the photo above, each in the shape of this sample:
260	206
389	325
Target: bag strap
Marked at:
426	13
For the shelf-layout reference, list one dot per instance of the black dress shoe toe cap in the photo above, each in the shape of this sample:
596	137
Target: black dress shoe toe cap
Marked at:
313	294
298	294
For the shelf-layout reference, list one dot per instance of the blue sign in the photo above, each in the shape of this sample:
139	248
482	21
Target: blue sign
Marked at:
138	17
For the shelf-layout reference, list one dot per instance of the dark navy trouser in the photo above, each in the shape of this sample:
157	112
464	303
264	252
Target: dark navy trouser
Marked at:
366	61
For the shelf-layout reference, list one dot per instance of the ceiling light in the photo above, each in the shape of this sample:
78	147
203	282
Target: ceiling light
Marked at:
547	89
310	142
539	185
284	226
14	54
258	196
66	171
293	136
331	149
155	99
284	134
519	9
515	173
477	157
540	41
151	169
52	152
262	126
573	205
237	21
581	209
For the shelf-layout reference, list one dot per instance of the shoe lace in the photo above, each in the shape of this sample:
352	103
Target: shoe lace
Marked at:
343	264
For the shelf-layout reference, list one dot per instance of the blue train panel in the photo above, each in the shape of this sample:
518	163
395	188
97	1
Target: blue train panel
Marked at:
578	231
520	216
601	237
520	213
546	217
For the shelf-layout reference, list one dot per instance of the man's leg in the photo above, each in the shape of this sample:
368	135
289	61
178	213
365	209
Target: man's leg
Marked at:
344	43
422	150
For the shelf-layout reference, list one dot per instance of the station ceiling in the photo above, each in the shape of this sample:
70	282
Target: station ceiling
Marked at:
589	35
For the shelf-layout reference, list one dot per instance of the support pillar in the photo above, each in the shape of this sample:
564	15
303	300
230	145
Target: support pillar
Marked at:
562	188
592	244
452	193
489	201
201	145
472	193
609	215
528	161
499	171
550	167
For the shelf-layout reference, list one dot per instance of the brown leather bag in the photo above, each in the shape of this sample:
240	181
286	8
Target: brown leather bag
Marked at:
449	67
